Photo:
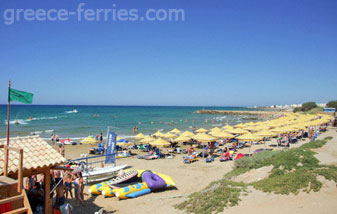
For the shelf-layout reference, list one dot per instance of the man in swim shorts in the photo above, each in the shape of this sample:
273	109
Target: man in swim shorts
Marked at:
60	199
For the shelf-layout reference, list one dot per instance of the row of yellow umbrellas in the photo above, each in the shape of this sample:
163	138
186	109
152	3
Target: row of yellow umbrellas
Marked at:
289	123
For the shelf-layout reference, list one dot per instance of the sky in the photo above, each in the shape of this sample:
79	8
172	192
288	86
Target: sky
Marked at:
225	53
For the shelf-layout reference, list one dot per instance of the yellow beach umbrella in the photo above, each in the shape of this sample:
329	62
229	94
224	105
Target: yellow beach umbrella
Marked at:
241	125
182	139
160	142
89	140
299	127
201	130
169	135
187	134
175	130
290	129
204	137
223	135
139	136
237	131
278	130
258	128
227	127
266	133
249	137
158	134
147	139
216	129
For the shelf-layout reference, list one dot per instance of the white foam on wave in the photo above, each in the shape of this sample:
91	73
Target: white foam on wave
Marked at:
43	118
17	122
41	132
71	112
126	136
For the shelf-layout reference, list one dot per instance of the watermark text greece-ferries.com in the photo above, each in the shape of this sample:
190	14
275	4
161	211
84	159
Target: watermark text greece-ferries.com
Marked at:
82	13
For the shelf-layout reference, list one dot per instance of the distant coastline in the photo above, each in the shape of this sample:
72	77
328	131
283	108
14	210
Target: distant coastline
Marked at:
259	113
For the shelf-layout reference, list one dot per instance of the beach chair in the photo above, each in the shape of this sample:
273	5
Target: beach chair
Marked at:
210	158
190	159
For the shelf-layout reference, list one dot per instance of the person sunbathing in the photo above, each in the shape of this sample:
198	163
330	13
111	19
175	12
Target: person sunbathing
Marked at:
234	144
190	150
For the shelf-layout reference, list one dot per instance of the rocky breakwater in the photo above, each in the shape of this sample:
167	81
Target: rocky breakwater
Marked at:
253	113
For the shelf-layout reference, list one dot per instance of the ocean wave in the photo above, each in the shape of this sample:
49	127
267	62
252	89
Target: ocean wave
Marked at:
126	136
43	118
71	112
25	121
41	132
17	122
217	124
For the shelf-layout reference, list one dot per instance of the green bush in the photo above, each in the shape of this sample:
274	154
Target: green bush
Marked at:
308	106
297	109
257	161
332	104
294	170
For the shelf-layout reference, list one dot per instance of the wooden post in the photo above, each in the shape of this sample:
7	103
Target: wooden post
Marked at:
6	161
47	200
8	110
20	172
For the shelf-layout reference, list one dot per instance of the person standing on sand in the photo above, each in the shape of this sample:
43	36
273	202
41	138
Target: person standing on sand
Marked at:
78	186
62	150
101	138
68	184
81	186
60	199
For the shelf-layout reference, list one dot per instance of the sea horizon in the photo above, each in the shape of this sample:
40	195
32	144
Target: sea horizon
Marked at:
79	121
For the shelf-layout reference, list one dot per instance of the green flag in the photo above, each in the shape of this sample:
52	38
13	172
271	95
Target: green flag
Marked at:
21	96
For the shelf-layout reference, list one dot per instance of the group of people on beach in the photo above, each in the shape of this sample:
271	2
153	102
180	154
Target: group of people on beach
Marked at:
54	138
63	185
66	185
99	137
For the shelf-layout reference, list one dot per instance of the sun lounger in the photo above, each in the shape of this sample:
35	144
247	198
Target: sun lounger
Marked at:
210	159
190	159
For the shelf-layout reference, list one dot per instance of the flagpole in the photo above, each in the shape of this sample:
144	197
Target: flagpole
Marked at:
8	109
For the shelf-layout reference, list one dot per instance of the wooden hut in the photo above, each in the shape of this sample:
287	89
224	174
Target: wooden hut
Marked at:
28	156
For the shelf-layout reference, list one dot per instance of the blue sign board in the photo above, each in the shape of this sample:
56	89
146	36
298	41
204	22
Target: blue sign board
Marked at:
111	148
329	110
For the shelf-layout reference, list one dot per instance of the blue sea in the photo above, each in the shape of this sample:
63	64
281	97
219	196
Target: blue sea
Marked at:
77	122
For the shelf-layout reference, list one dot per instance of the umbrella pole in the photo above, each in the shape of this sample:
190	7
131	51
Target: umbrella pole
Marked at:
264	139
250	155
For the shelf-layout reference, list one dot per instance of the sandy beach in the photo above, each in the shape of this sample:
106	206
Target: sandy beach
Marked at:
196	176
